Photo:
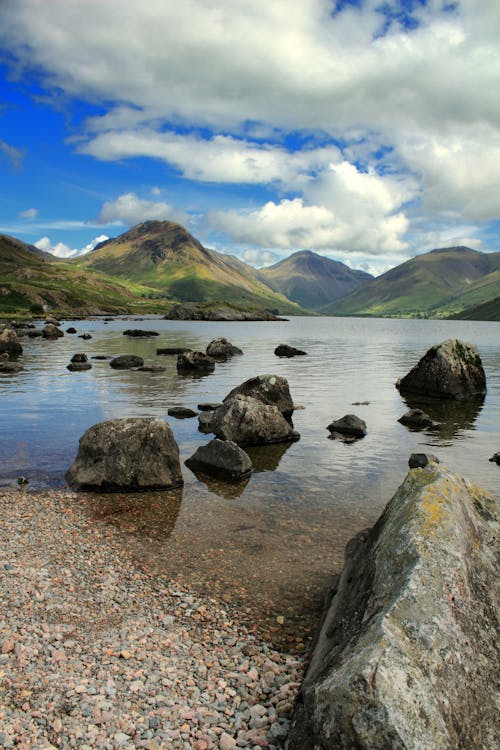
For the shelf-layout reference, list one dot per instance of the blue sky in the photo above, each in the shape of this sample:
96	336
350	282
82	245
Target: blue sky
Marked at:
365	131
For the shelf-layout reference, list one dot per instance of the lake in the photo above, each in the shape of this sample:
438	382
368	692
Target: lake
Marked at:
268	546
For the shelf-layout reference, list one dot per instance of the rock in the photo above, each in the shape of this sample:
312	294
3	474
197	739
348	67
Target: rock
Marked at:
173	350
407	653
151	368
51	331
284	350
222	348
71	329
496	457
247	421
269	389
421	460
52	321
79	362
139	333
181	412
195	362
350	425
35	333
100	356
195	311
9	342
9	365
205	422
452	369
126	362
84	336
417	419
221	458
208	406
126	455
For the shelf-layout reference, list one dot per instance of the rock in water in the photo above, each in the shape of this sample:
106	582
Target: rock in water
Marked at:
51	331
247	421
285	350
452	369
222	348
407	653
221	458
417	419
126	362
269	389
195	362
126	455
9	342
350	425
79	362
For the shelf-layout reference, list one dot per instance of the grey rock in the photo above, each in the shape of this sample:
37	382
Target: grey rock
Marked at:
269	389
205	422
222	348
139	333
84	336
71	329
350	425
496	457
35	333
221	458
452	369
247	421
8	365
285	350
195	362
408	650
417	419
79	362
51	331
9	342
206	406
126	455
421	460
126	362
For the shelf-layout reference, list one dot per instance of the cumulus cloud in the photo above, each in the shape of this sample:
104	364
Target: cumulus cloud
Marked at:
30	213
129	209
61	250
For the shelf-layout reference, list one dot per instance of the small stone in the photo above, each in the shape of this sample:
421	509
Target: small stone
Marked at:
226	742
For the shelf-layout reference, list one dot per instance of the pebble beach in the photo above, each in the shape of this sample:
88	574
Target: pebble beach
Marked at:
97	653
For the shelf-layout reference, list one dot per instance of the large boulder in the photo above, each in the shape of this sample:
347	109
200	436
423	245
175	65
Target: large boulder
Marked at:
221	458
247	421
269	389
452	369
9	342
126	455
222	348
195	362
407	653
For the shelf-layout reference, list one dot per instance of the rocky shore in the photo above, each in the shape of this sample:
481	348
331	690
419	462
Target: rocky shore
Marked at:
96	653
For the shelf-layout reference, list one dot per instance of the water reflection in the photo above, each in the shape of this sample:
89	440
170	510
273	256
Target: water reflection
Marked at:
227	489
453	417
153	514
267	457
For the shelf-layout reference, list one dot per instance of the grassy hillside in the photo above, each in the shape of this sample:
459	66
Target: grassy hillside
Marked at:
164	257
487	311
32	282
436	284
312	280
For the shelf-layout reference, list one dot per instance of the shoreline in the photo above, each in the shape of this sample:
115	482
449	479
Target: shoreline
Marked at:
95	652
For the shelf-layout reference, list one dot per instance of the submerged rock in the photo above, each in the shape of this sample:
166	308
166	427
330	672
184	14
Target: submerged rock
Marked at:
181	412
247	421
79	362
284	350
9	342
221	458
349	425
408	650
139	333
417	419
452	369
126	455
222	348
126	362
496	457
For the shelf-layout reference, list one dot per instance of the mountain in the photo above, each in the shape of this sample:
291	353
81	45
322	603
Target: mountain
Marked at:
439	283
312	280
34	281
164	257
487	311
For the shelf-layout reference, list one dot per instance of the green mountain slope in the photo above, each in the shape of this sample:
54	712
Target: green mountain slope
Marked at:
34	281
487	311
312	280
163	256
437	284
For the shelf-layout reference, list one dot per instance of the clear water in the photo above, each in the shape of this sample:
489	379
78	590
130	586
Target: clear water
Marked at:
271	544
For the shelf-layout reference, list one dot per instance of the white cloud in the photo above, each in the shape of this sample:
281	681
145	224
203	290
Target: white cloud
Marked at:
30	213
129	209
61	250
259	258
14	156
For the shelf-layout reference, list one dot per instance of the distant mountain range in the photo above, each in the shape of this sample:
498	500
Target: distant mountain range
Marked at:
158	263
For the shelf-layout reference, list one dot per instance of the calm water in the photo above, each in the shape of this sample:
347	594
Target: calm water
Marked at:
271	544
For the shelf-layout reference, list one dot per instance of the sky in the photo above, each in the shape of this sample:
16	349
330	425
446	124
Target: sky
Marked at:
367	131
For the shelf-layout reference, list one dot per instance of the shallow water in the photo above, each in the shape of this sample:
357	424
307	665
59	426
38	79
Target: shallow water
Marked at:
271	544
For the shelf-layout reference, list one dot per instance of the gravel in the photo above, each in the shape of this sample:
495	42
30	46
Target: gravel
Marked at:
96	653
